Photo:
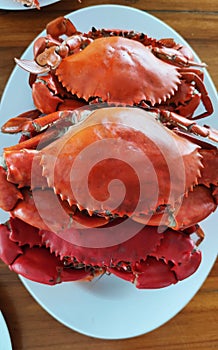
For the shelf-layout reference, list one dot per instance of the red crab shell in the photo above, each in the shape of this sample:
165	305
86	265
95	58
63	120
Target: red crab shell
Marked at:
156	166
117	66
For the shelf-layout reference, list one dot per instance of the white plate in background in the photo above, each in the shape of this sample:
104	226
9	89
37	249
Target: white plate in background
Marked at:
5	340
13	5
111	308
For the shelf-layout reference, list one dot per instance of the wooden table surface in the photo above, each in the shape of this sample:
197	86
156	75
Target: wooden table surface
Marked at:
31	328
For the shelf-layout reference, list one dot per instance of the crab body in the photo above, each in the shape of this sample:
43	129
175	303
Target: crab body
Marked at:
121	185
114	66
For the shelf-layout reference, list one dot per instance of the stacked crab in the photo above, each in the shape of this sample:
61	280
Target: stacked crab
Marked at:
112	173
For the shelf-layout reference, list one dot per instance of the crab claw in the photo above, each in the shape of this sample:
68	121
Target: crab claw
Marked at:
39	265
40	94
60	26
150	274
9	250
35	263
174	260
20	122
42	43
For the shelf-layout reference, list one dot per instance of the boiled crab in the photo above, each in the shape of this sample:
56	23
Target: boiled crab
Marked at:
107	191
71	69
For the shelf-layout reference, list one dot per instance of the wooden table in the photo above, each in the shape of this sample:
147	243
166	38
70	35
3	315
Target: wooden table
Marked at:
195	327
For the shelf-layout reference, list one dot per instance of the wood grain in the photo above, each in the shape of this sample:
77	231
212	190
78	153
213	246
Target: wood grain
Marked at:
31	328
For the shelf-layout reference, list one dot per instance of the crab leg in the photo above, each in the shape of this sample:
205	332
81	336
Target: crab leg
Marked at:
39	139
189	125
175	55
9	194
191	76
18	123
34	121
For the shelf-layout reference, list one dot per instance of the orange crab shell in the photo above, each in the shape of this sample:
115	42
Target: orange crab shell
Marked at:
118	69
127	152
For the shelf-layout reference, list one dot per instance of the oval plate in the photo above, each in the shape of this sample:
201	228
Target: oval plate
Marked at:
111	308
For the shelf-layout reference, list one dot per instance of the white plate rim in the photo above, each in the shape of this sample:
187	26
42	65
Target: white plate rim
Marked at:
36	290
